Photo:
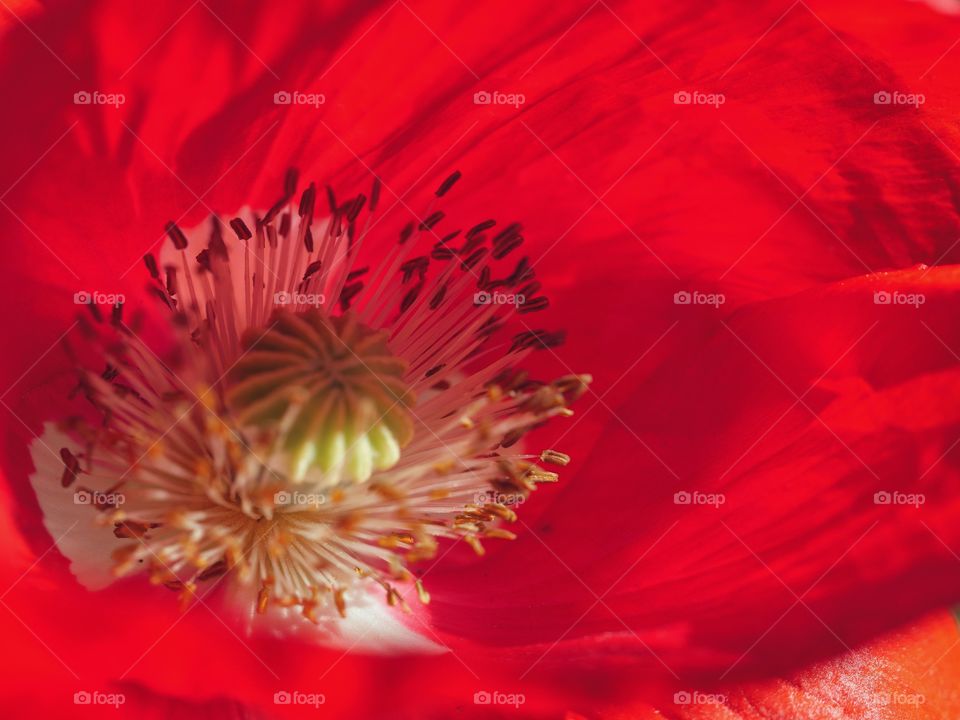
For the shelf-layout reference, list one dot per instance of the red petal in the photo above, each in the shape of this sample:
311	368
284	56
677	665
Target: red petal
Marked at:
797	412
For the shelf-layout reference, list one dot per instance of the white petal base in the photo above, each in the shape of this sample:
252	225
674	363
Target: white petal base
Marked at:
370	626
83	542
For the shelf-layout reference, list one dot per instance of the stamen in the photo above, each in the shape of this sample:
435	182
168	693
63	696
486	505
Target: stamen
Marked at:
322	424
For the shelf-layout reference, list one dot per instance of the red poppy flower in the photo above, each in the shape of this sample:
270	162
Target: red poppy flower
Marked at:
744	220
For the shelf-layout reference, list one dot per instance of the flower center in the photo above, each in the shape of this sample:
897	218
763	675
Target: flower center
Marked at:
333	391
322	424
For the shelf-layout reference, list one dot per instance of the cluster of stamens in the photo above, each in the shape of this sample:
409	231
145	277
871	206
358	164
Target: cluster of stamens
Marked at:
320	423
